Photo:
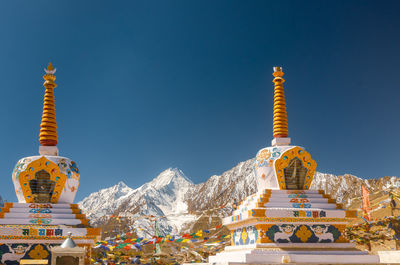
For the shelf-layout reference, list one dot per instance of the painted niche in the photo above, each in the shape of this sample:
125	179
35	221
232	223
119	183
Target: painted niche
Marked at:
295	169
42	181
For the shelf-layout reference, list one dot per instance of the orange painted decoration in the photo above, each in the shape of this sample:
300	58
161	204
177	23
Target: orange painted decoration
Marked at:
48	127
280	124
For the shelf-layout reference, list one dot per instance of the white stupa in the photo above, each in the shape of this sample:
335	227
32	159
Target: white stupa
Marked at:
285	222
45	185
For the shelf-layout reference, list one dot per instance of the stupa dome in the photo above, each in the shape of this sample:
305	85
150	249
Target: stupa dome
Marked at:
284	167
53	178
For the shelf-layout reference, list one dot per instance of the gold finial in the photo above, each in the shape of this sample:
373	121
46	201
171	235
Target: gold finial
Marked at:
50	69
280	124
48	127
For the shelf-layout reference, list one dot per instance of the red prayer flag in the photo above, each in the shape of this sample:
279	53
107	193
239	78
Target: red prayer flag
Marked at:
366	204
186	236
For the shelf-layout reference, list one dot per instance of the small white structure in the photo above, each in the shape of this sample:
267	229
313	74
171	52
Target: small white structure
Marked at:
68	253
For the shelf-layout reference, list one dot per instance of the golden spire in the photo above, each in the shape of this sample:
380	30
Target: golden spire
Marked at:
48	127
280	129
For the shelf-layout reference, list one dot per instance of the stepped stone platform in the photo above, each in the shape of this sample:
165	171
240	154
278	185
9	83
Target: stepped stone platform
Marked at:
290	226
30	230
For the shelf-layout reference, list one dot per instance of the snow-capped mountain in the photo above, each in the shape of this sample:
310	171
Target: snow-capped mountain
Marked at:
182	203
105	201
163	196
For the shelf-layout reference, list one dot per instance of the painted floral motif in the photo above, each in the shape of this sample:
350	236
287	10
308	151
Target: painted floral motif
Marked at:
40	221
40	215
296	200
276	153
38	253
20	166
289	233
301	205
297	195
263	155
62	164
69	168
245	236
266	156
74	167
303	233
40	210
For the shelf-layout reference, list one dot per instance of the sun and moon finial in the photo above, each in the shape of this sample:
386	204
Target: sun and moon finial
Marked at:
50	69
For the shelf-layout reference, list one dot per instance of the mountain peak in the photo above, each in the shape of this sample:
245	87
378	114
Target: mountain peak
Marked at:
170	175
121	185
118	190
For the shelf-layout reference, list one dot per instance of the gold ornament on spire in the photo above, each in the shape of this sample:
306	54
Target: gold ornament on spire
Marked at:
48	127
280	125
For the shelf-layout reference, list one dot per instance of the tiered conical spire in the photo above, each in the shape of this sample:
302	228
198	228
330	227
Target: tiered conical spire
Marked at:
280	125
48	127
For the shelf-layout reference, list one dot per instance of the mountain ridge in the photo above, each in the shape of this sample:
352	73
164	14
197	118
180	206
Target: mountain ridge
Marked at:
182	203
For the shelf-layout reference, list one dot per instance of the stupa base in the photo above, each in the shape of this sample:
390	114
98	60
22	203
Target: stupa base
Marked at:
340	253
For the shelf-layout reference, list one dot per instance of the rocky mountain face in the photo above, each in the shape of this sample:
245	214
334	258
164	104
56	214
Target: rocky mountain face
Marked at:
347	187
172	195
222	191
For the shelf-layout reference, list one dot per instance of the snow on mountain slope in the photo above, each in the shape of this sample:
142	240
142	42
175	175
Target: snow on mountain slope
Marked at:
182	203
163	196
232	186
105	201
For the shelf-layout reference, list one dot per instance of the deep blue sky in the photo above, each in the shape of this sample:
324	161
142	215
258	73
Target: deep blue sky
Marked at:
147	85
